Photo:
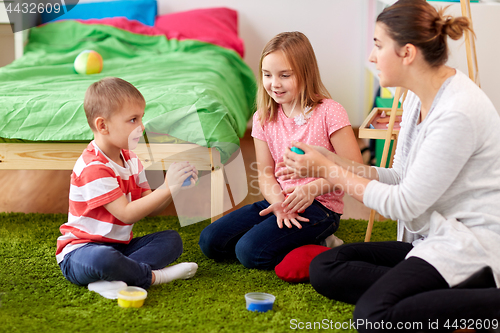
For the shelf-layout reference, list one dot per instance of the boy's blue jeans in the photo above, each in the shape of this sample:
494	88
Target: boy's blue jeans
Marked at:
257	241
131	263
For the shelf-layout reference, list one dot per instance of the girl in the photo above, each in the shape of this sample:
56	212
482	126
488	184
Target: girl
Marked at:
443	189
293	104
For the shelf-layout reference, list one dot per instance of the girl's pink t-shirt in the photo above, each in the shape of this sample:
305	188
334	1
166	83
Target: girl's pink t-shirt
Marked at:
325	119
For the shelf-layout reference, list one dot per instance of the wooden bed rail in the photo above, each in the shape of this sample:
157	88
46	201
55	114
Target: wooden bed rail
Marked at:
62	156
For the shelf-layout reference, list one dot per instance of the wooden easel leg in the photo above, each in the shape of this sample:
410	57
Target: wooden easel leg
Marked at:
370	225
393	151
470	45
389	137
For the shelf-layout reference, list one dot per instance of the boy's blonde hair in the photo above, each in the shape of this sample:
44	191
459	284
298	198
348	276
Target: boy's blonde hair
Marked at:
299	53
108	95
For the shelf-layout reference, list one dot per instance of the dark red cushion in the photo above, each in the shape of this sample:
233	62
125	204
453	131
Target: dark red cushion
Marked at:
295	266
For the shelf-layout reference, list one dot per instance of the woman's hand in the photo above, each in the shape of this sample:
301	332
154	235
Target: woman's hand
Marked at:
177	173
288	173
282	217
325	152
298	198
312	163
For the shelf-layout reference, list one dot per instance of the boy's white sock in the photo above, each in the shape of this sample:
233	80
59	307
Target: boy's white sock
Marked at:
184	270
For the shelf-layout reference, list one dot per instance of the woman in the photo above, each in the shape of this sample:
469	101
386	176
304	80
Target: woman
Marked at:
444	189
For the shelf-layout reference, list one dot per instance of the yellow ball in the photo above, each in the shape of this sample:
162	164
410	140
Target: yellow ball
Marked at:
88	62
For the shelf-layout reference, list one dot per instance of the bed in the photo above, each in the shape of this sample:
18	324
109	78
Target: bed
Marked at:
199	93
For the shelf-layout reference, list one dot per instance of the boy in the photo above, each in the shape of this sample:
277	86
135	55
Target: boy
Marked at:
109	193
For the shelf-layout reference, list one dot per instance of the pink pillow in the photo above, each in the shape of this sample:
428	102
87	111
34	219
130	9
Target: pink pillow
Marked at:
295	266
125	24
217	26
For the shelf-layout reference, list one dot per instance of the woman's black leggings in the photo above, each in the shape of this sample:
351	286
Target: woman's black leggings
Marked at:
394	294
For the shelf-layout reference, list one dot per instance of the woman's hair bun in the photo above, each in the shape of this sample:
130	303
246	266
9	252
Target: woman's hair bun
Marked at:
419	23
451	26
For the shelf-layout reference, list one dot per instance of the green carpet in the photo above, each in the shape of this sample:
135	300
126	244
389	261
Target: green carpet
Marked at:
35	297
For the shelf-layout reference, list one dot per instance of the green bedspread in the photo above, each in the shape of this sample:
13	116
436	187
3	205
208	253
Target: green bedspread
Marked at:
194	91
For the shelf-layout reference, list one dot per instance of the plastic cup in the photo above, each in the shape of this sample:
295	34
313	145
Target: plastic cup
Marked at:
132	297
260	302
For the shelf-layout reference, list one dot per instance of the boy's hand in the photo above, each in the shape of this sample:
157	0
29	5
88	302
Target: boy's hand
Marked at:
177	173
287	218
298	198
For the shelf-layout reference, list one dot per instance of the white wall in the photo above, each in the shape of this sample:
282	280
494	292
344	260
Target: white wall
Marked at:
341	33
486	23
336	29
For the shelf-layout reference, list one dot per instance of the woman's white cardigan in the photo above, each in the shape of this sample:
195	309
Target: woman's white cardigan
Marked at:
444	187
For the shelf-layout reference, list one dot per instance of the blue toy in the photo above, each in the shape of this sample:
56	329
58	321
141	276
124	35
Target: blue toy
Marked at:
297	150
187	182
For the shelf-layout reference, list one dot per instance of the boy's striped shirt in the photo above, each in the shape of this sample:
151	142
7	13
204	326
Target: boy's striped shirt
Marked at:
96	181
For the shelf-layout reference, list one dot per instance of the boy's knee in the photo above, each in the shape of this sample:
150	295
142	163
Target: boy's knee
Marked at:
103	258
172	239
172	245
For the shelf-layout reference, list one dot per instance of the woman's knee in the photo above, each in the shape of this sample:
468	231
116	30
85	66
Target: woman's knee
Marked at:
368	319
331	277
325	261
321	273
329	268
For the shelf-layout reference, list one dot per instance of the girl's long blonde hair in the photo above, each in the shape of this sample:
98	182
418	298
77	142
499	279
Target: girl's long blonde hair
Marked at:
300	55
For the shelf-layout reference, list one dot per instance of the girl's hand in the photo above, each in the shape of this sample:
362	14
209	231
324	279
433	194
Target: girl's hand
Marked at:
282	217
177	173
312	164
284	172
298	199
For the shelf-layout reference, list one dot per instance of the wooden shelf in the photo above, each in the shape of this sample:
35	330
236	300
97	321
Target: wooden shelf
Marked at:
365	132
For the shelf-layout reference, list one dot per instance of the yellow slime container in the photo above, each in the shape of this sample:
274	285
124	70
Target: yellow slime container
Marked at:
132	297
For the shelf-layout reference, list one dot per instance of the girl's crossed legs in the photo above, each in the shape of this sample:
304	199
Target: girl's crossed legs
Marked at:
257	241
